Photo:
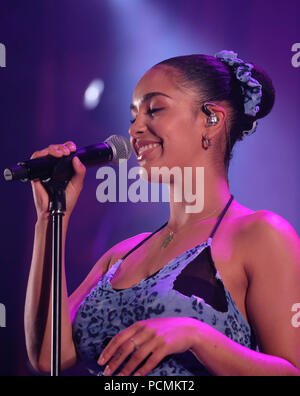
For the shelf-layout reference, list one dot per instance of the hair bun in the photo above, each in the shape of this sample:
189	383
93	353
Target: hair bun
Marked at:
268	91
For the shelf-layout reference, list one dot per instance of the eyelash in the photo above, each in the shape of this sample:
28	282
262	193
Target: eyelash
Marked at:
150	112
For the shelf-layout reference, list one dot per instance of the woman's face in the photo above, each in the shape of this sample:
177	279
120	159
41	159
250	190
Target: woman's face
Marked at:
163	114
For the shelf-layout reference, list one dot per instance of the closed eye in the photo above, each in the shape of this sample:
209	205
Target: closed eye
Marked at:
155	110
150	112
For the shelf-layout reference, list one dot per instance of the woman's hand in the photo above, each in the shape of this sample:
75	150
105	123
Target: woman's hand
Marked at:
41	197
159	336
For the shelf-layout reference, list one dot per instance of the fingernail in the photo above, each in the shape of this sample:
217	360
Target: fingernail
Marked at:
101	361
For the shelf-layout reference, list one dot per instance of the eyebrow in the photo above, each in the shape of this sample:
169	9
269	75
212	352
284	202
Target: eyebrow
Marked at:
148	96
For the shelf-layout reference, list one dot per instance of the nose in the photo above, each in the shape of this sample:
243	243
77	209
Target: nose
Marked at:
138	127
137	130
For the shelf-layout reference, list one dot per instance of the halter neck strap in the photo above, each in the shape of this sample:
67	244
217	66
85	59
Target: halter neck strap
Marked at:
221	218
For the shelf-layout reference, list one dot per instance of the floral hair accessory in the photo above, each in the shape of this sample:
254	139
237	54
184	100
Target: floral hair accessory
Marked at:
251	88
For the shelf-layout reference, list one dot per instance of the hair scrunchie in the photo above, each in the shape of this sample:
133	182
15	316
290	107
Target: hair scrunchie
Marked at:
251	88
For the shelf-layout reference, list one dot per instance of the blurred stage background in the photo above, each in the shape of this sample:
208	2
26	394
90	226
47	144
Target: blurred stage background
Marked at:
56	48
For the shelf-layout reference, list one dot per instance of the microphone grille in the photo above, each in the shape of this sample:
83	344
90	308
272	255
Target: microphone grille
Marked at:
121	148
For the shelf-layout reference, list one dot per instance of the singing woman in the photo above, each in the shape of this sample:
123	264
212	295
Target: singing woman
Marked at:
208	293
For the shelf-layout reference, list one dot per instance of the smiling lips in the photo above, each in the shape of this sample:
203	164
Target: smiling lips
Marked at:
144	148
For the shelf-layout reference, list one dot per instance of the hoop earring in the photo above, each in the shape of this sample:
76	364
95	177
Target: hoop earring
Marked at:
206	142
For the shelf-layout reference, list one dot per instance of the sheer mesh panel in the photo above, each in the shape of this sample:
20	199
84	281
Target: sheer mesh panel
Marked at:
199	278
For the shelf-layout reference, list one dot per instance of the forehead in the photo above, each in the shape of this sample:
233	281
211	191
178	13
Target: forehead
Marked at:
159	79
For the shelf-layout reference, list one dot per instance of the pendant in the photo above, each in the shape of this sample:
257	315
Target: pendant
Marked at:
168	239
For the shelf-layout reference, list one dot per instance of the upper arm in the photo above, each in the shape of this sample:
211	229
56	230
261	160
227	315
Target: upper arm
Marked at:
274	286
100	268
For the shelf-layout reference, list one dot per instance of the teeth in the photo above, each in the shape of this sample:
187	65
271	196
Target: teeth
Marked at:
147	147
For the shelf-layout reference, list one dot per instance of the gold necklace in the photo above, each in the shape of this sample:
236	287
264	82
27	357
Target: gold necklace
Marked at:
171	233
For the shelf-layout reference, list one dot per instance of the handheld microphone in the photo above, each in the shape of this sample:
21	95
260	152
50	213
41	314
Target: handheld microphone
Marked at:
113	149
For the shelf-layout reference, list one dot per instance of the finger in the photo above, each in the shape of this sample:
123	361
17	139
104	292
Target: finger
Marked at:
65	149
118	358
116	342
140	339
62	148
139	356
77	180
71	146
56	150
157	356
80	169
40	153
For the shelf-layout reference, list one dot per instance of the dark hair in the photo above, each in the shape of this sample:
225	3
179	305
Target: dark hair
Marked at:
215	81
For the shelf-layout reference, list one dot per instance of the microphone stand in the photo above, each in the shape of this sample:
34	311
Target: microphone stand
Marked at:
56	188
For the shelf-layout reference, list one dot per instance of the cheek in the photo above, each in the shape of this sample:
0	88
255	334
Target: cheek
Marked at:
181	128
182	143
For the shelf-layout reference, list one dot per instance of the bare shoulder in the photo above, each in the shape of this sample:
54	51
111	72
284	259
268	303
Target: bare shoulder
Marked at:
265	234
264	225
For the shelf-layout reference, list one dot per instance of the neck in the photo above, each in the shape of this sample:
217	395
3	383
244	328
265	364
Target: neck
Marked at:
210	193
